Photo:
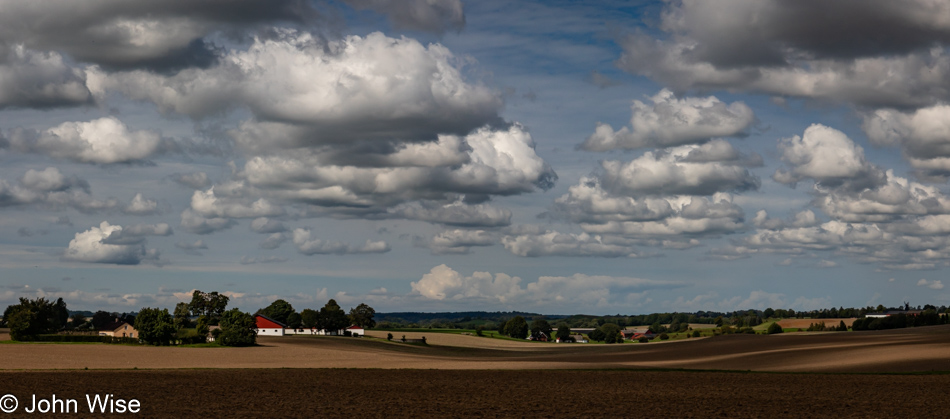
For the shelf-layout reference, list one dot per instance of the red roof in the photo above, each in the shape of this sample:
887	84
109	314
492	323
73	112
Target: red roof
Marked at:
265	323
353	327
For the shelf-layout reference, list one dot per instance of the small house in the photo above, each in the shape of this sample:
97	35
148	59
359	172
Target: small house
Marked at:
356	331
119	329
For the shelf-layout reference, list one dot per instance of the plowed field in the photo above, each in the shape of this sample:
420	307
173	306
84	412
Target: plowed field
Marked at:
313	393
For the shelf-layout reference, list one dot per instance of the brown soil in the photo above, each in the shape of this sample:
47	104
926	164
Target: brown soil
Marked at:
456	393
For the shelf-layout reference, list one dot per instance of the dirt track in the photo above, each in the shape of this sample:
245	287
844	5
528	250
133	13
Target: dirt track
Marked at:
433	393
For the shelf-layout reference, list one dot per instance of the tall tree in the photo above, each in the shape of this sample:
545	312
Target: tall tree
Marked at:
34	317
201	329
59	315
182	315
541	326
332	318
612	333
155	326
237	329
210	304
294	320
309	317
563	331
101	318
517	327
279	310
362	316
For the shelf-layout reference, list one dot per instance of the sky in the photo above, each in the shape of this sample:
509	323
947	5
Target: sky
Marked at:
556	157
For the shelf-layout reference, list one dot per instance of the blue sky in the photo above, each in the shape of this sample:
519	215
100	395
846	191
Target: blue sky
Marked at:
557	157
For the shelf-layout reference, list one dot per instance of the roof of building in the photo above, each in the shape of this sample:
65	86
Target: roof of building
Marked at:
112	326
264	322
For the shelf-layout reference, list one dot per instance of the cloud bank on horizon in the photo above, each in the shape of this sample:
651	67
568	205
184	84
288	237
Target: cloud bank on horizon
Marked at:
428	155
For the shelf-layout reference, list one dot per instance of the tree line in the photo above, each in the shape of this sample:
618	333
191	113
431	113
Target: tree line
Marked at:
189	322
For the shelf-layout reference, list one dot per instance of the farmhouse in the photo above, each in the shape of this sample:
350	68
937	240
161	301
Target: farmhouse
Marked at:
118	329
637	335
356	331
267	326
211	329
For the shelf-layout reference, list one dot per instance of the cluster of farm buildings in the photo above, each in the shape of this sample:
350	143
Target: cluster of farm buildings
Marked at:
265	326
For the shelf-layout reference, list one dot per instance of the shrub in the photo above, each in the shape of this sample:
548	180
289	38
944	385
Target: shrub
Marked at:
664	336
774	328
696	334
643	339
389	336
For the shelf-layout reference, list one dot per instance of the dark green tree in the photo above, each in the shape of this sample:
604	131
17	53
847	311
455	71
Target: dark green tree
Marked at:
210	304
182	316
332	318
201	329
294	320
34	317
657	328
20	321
362	316
155	326
309	317
517	328
563	331
612	333
237	329
102	318
59	315
541	326
768	313
279	310
774	328
78	321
